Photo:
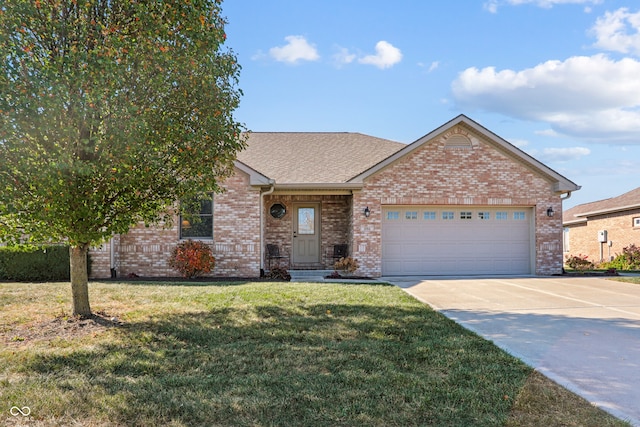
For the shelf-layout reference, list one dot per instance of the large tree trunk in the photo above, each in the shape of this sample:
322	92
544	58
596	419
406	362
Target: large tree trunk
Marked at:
80	280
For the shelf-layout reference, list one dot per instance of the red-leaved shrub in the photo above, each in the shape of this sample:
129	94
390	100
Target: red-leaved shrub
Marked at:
192	258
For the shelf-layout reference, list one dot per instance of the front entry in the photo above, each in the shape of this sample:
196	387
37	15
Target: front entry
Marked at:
306	233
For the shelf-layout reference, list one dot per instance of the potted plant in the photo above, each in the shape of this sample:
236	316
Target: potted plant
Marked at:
346	265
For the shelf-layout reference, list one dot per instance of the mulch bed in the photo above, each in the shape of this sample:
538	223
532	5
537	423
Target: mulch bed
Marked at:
590	273
63	327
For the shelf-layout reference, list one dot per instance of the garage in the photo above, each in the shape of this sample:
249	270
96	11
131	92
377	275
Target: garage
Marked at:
460	240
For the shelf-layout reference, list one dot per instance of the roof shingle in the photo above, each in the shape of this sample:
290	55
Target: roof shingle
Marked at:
314	157
626	200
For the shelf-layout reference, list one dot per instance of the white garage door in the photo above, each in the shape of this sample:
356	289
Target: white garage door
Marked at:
427	240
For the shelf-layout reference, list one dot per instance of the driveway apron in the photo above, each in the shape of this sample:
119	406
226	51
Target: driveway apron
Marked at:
582	332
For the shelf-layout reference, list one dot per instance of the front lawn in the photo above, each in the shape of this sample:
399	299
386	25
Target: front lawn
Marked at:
260	354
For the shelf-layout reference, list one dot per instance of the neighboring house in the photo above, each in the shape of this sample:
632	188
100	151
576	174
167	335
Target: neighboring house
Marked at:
459	200
600	230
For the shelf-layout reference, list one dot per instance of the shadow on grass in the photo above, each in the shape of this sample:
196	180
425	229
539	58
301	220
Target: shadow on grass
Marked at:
320	364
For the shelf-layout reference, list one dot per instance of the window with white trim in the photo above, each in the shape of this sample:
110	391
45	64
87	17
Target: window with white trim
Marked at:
466	215
391	215
429	215
411	215
502	215
198	223
447	215
636	222
484	215
519	215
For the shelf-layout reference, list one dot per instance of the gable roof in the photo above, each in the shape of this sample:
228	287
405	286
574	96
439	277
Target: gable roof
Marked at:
314	157
304	160
561	183
627	201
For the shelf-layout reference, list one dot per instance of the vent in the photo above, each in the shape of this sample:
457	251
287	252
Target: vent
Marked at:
458	142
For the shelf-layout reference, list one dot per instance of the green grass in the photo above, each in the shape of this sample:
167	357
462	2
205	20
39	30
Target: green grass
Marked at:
261	354
628	279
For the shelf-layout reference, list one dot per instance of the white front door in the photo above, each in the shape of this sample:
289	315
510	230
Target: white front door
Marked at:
306	233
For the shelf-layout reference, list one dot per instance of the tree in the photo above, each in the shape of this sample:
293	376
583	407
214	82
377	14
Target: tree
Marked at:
110	112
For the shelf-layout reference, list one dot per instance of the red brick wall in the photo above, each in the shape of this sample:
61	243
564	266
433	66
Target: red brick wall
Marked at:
583	238
480	175
236	239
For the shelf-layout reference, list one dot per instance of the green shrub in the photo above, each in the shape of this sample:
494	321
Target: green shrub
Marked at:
629	259
30	263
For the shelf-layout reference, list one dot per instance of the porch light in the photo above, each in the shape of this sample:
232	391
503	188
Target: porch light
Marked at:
550	212
186	223
367	212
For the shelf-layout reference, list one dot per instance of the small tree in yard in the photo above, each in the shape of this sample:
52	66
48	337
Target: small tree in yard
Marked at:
110	111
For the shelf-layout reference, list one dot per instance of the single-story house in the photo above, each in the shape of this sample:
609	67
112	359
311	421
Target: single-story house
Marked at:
459	200
600	230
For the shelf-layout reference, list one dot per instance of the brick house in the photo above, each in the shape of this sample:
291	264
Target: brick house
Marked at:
459	200
601	229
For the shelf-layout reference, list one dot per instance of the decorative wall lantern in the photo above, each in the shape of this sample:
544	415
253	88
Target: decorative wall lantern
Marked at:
367	212
550	212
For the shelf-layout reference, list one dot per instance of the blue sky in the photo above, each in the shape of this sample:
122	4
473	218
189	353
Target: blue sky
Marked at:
560	79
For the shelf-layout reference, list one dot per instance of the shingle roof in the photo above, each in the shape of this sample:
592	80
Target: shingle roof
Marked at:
625	201
314	157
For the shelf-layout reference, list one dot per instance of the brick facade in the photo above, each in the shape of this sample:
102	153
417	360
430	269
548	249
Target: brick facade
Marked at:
436	172
480	175
144	251
583	237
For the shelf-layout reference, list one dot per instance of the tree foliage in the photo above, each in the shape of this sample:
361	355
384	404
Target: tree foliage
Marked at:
110	111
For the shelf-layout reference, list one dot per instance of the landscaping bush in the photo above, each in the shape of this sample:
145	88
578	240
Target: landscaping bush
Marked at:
192	258
579	262
30	263
629	259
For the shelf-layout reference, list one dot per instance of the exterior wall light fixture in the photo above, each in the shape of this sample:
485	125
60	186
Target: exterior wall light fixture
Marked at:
367	212
550	212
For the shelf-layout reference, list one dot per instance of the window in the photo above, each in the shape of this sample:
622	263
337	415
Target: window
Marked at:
502	215
429	215
411	215
393	215
518	215
484	215
199	222
636	222
466	215
447	215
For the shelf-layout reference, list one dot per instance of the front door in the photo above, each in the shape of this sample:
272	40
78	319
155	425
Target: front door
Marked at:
306	233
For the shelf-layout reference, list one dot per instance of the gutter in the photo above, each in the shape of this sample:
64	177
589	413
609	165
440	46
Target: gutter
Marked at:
272	184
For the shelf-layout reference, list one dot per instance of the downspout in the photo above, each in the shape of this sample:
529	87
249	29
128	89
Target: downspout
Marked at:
568	195
272	183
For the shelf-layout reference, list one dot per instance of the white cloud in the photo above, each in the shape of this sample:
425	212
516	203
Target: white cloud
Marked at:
593	98
343	56
560	155
492	5
618	31
386	56
297	49
547	132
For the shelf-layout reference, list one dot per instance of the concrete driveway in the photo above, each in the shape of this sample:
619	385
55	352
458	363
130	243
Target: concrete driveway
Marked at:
584	333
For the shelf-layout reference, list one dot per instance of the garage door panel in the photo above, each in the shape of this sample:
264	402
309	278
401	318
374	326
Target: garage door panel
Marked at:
486	243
